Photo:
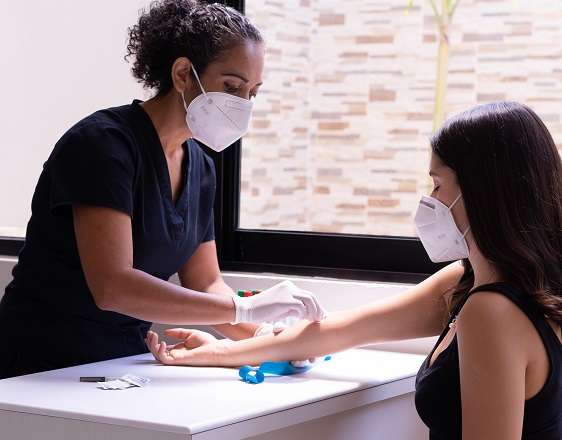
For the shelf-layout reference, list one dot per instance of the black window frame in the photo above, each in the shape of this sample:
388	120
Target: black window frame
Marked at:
11	246
362	257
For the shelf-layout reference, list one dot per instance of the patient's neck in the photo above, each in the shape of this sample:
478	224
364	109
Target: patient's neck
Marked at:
485	272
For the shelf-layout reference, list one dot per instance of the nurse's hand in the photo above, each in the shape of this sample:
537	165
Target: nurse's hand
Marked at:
277	303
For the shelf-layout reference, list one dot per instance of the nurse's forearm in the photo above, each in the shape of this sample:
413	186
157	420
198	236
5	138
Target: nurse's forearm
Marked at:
234	332
135	293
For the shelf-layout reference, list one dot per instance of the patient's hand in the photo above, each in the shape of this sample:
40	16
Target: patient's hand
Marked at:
190	339
198	349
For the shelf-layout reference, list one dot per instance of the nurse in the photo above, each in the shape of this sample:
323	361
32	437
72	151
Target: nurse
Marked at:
125	200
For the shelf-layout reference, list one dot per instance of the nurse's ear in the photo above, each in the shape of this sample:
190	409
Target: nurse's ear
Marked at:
181	78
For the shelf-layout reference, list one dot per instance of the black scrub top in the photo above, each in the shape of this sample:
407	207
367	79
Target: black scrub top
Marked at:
112	158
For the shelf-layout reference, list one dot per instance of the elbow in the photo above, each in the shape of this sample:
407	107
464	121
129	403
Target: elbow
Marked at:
104	292
103	298
103	302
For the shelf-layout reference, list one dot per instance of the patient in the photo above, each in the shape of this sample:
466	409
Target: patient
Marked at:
496	211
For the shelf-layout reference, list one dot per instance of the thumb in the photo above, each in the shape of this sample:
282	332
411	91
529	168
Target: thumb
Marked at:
178	333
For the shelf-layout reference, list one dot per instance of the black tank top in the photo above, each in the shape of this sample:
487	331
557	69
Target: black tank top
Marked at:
438	396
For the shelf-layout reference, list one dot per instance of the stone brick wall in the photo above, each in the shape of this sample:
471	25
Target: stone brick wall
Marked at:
339	140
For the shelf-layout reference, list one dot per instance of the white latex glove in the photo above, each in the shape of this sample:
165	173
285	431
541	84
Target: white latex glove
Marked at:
278	303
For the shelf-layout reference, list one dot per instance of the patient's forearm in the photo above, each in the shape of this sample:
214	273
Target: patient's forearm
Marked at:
418	312
305	339
397	318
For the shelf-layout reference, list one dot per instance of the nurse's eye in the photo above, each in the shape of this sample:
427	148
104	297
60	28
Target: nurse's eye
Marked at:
231	88
435	188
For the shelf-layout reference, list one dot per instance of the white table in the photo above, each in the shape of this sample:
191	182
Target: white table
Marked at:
358	394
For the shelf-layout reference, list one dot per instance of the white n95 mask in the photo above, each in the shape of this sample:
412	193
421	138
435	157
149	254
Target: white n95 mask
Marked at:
438	232
217	119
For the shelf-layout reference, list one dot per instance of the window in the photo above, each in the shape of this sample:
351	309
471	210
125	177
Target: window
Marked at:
336	160
339	141
335	163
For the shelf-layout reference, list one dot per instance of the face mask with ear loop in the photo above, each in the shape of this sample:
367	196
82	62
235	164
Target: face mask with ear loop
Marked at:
438	232
217	119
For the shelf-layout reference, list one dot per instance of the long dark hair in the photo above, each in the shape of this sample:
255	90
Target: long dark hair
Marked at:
510	175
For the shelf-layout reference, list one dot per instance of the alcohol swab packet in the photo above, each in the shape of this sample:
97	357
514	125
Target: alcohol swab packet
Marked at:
117	384
124	382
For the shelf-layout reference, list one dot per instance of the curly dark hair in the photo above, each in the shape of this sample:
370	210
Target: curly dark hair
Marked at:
170	29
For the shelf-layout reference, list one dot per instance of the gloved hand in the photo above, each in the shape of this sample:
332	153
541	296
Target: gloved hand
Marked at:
278	303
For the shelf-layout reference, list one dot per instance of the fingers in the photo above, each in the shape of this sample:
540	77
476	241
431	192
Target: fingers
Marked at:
314	311
193	341
151	337
178	333
170	355
161	351
311	308
158	349
177	346
152	343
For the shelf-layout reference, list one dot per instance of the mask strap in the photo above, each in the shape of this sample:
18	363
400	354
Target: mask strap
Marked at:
455	201
200	85
451	207
198	80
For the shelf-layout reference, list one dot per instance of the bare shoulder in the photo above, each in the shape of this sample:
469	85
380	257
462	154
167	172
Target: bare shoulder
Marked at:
493	360
492	318
488	303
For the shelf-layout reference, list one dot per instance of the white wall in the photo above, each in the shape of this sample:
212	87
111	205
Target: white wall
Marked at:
59	61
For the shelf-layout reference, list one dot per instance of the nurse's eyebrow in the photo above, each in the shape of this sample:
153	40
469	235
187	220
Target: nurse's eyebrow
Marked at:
432	173
240	77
